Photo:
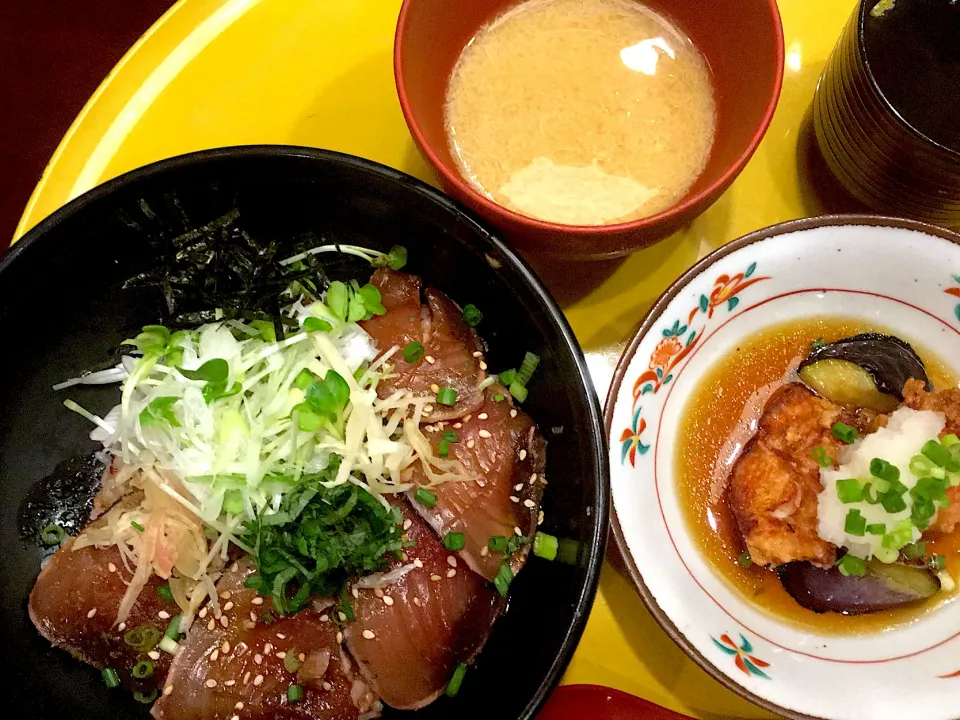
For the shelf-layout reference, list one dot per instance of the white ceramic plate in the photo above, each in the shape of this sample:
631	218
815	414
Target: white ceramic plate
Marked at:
901	275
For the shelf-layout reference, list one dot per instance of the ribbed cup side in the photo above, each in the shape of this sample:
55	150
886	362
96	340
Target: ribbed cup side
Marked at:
876	155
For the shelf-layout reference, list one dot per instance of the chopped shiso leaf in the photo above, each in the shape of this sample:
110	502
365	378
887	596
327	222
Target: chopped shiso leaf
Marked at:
820	456
456	680
844	433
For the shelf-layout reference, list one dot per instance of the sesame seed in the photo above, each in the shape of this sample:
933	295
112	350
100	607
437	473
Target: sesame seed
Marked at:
477	353
417	563
235	717
540	518
387	600
91	613
235	567
427	409
230	683
324	618
163	615
529	503
416	601
356	593
238	706
342	616
167	690
281	636
214	655
301	657
225	595
430	428
513	413
253	616
326	685
153	655
281	655
225	648
484	434
121	627
249	625
268	648
212	624
514	498
258	680
533	478
224	621
466	418
430	359
457	426
111	567
228	607
202	613
246	678
257	601
523	454
407	523
434	388
436	578
483	365
339	637
368	634
378	592
452	560
471	442
483	416
518	487
517	531
451	573
211	683
258	659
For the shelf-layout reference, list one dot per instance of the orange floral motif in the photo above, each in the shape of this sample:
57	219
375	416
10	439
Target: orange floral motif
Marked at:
666	349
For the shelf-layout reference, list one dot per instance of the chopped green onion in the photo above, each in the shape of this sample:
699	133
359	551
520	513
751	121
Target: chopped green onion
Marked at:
870	494
472	315
949	440
165	593
852	565
448	436
545	546
294	693
454	541
896	539
936	453
744	560
291	661
413	352
920	466
345	606
498	397
855	524
110	677
885	555
820	457
136	525
844	433
849	490
315	324
527	367
497	543
425	497
145	698
173	629
914	550
503	579
921	512
518	390
876	529
937	562
52	535
507	377
144	638
447	396
880	468
569	551
930	488
142	670
456	680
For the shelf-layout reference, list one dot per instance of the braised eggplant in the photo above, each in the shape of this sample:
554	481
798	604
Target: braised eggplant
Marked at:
864	371
884	586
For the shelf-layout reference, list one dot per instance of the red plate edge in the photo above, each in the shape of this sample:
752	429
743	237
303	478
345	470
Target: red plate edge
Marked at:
577	702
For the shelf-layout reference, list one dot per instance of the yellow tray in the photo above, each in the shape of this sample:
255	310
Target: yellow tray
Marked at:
320	73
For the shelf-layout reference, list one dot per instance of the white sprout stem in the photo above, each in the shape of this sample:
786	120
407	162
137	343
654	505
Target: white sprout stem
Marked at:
95	419
355	250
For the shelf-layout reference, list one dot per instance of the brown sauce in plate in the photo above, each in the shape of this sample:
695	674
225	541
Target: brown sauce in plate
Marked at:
713	414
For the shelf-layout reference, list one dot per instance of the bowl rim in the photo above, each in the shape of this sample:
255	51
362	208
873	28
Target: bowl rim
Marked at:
593	561
623	364
487	205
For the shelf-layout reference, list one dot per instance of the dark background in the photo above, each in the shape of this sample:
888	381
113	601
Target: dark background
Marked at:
53	55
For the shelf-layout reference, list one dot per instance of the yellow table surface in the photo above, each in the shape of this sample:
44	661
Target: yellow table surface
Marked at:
320	73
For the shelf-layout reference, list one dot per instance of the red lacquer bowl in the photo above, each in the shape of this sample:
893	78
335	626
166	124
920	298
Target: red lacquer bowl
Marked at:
595	702
742	42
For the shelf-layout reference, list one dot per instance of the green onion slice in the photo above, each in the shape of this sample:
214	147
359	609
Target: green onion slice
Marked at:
844	433
145	698
142	670
820	457
497	543
447	396
110	677
413	352
855	524
144	638
294	693
165	593
503	579
472	315
852	565
52	535
744	560
454	541
456	680
425	497
849	490
545	546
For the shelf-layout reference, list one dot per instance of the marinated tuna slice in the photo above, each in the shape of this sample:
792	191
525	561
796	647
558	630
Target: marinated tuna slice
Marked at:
236	660
410	634
74	605
775	483
946	402
452	351
501	447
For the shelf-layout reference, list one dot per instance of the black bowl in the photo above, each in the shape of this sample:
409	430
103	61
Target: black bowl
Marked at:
62	308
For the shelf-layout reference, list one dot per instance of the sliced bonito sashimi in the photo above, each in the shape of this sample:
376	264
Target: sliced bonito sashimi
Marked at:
410	634
452	357
235	663
500	446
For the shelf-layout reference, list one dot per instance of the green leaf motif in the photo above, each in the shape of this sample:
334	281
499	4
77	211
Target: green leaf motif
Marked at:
732	303
750	270
704	303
